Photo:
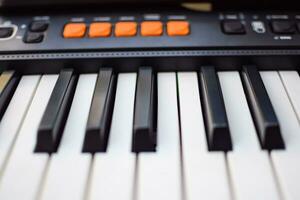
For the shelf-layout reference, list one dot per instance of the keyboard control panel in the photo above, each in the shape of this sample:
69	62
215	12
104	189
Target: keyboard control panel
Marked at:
143	31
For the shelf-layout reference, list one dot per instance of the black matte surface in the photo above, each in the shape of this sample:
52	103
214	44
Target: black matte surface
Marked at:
205	34
264	116
144	125
6	32
216	123
99	120
55	115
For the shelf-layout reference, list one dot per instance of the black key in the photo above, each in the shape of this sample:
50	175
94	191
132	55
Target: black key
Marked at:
216	123
55	116
8	83
262	111
98	125
144	125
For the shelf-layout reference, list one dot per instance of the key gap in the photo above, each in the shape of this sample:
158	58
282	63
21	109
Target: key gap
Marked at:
229	180
288	95
275	175
6	160
135	178
43	178
86	193
183	186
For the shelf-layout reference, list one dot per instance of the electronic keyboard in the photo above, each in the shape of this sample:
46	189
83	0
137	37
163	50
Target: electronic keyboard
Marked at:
150	104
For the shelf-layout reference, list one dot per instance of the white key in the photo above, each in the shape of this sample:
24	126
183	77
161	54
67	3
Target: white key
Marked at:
14	115
22	176
291	82
159	175
112	174
286	162
68	168
247	161
205	175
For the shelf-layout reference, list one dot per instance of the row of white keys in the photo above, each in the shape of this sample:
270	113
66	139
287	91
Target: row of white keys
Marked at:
68	169
112	175
287	162
159	173
247	162
23	174
14	115
205	175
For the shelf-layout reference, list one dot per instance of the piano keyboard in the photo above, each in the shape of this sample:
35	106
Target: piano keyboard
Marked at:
204	134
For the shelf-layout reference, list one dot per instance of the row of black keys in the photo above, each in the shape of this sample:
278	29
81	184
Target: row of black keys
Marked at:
145	112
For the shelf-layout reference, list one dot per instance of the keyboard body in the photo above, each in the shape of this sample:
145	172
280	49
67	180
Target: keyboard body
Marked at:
213	113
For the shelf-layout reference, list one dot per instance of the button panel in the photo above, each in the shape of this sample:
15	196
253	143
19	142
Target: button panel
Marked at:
126	29
142	31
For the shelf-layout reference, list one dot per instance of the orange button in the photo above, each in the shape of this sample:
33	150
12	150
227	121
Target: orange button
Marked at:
151	28
178	28
125	29
100	29
74	30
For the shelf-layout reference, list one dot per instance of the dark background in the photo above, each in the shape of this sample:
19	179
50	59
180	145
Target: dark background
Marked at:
98	4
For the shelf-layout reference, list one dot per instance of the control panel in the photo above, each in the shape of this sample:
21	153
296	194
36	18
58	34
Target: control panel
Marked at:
125	29
143	30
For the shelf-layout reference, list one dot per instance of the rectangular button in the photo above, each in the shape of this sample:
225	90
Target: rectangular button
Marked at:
98	125
55	115
151	28
74	30
38	26
144	125
262	110
233	27
178	28
8	83
125	29
283	27
100	29
217	129
6	32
